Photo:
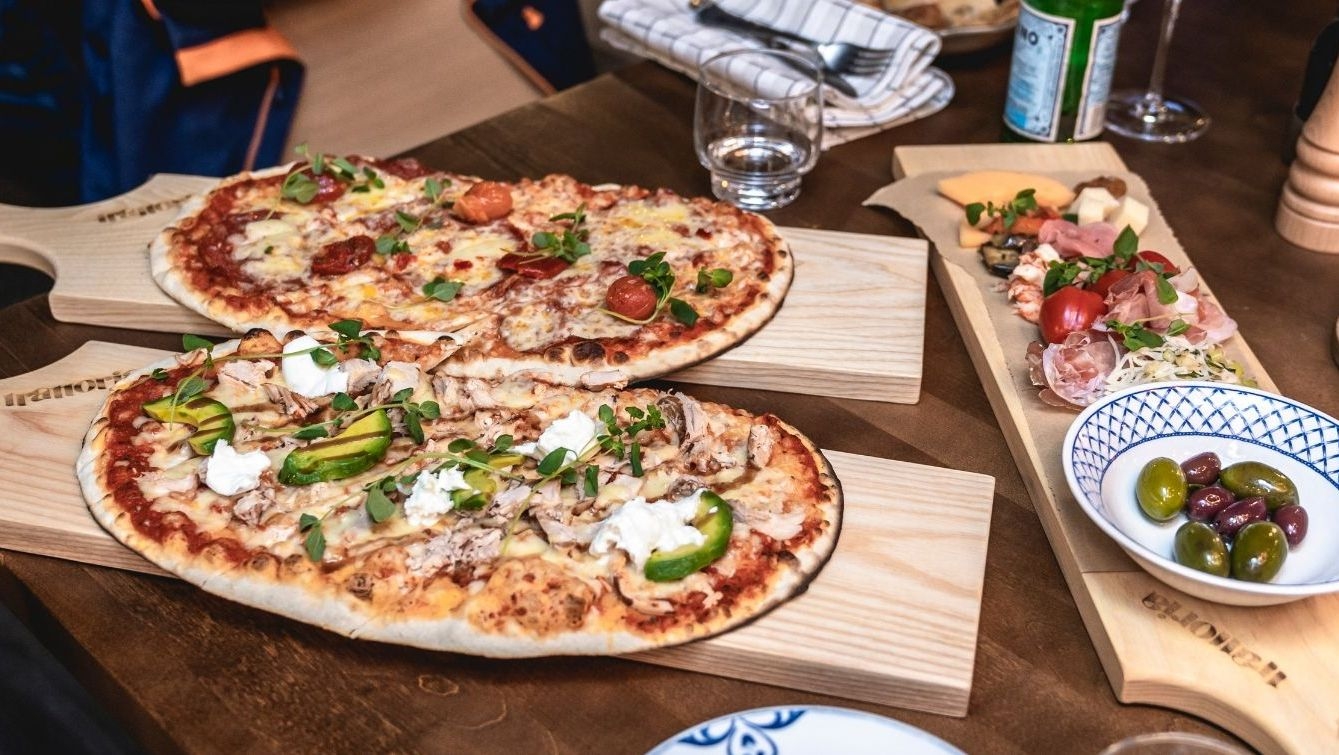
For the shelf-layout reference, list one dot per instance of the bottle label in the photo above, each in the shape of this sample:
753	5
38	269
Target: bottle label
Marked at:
1092	113
1042	44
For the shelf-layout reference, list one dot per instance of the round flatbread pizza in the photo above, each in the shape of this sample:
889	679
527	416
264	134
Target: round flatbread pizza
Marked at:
341	479
601	284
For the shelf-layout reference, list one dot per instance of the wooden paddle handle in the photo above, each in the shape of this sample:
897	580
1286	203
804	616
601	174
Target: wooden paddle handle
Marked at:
97	255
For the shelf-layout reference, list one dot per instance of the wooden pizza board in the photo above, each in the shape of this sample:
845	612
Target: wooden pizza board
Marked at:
1268	674
852	325
892	618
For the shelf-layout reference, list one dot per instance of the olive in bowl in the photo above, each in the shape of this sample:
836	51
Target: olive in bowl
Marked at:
1109	444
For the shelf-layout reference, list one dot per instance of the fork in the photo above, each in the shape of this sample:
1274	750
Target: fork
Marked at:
838	57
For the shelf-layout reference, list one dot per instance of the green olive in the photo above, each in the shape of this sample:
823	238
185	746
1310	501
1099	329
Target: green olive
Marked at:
1258	552
1248	478
1161	489
1199	547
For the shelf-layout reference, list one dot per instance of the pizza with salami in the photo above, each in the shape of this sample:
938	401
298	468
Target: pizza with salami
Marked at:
593	285
343	479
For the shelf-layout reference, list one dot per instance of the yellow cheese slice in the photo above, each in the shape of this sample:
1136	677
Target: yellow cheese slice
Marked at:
1001	187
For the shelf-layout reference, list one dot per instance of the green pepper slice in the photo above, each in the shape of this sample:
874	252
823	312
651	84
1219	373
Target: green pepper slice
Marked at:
210	418
357	449
715	520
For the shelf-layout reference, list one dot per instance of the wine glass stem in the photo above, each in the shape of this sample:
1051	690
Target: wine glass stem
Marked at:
1170	10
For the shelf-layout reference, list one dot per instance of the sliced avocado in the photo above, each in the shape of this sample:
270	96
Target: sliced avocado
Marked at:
504	460
715	520
357	449
482	487
210	418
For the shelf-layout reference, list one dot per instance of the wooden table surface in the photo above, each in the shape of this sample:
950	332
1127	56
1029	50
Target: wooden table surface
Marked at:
183	670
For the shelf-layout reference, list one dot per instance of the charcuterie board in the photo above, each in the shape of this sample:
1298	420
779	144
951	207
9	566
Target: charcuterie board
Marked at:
892	619
852	325
1269	675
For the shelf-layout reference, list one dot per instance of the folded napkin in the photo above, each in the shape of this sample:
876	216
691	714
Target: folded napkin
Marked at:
668	32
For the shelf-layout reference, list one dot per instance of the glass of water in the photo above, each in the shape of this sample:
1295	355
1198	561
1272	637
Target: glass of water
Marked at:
758	125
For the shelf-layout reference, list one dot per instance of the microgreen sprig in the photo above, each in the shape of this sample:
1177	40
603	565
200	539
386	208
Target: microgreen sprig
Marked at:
571	243
303	188
1136	336
414	414
621	441
441	289
1023	202
314	542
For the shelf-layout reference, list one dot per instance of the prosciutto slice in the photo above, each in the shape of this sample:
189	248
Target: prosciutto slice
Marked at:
1134	300
1073	373
1070	240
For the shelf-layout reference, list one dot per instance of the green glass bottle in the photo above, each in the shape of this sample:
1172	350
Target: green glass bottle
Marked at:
1064	55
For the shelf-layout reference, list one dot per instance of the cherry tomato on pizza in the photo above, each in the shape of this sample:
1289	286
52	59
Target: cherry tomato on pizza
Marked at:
1067	310
632	297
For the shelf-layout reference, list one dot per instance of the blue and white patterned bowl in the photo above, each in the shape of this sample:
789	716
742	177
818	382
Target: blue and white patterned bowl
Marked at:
1113	439
803	730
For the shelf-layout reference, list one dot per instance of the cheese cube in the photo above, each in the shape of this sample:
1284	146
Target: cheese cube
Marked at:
969	237
1131	212
1093	205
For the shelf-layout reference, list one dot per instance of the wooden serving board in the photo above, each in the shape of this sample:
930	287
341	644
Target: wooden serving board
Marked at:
892	618
852	325
1267	674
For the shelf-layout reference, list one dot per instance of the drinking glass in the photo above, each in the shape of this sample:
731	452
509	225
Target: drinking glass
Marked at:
1148	115
758	125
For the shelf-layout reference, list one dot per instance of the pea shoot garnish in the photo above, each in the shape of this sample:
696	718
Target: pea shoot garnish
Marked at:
301	186
571	243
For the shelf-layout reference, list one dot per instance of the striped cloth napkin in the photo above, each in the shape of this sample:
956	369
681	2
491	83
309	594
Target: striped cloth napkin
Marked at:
667	31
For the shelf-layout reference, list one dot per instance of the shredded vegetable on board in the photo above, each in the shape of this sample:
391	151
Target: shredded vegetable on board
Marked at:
1176	359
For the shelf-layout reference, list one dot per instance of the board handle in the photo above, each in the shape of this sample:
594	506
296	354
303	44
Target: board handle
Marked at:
45	237
97	255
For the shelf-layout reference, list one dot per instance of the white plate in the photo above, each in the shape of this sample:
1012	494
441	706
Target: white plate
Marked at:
803	730
959	39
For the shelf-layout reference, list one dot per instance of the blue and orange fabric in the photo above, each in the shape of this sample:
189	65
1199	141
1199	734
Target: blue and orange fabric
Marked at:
182	86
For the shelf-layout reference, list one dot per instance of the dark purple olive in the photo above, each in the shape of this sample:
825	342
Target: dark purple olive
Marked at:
1239	514
1204	504
1202	469
1293	519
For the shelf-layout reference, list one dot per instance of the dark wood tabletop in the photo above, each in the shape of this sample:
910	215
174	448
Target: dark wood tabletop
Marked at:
183	670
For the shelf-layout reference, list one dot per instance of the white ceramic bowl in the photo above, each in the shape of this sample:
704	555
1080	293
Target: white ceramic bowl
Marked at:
1112	440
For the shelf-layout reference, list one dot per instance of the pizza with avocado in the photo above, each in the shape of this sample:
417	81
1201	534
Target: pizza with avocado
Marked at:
592	285
343	479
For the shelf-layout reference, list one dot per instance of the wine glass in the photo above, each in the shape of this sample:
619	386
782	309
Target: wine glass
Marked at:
1149	115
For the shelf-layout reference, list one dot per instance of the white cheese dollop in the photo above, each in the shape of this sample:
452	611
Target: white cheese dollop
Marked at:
573	432
639	528
307	378
431	496
230	473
